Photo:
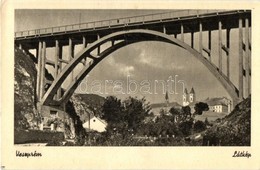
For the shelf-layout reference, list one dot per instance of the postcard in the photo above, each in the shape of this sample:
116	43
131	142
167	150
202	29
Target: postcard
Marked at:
130	85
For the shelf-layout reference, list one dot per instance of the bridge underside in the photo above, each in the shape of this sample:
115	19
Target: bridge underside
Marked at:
127	37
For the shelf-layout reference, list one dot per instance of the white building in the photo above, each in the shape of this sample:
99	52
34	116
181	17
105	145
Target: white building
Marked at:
96	124
219	108
219	105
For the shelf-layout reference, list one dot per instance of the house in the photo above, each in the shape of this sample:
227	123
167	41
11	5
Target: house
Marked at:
219	105
219	108
95	123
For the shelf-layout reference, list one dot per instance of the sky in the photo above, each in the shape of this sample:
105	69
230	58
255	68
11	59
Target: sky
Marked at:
146	64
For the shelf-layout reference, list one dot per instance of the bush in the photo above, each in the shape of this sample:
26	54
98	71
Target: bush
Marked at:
55	142
199	126
186	127
36	136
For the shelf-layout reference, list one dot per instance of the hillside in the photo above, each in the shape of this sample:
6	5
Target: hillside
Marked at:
235	128
25	94
161	105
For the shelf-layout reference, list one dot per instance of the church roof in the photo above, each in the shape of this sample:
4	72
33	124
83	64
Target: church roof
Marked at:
192	91
217	101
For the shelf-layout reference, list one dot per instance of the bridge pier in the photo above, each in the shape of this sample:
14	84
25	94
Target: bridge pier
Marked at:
209	44
220	45
241	69
182	32
52	115
84	45
42	72
247	80
57	66
200	37
192	40
71	55
228	51
39	63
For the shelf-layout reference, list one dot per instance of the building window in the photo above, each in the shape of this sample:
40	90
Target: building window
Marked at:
53	113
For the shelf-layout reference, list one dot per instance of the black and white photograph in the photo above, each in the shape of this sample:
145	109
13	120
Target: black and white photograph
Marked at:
138	83
132	77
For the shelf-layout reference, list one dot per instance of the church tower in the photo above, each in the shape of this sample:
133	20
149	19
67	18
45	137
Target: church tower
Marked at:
192	96
185	101
167	99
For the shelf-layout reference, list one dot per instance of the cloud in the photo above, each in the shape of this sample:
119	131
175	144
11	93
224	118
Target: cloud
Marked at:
121	68
163	62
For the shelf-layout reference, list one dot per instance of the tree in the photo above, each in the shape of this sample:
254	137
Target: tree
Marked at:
136	110
200	107
176	114
185	127
126	116
112	110
113	113
199	126
186	111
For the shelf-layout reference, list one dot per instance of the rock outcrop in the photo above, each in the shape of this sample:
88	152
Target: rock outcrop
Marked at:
24	89
79	108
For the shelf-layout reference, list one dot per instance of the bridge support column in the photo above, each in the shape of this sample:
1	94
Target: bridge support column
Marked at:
220	45
98	48
200	37
247	80
42	72
164	29
228	52
39	57
56	61
84	42
71	55
209	45
84	45
192	40
182	32
59	68
240	72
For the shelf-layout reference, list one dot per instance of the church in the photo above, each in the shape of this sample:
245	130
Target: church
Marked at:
188	98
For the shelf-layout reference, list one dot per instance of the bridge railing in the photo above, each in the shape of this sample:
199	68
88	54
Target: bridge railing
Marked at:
115	22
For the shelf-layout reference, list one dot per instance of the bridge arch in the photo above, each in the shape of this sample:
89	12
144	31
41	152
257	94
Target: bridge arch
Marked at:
126	37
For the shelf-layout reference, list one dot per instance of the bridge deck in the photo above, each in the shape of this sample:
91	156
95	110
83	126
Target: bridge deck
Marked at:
172	20
136	20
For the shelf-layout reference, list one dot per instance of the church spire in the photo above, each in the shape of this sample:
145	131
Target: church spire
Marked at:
167	98
192	90
185	91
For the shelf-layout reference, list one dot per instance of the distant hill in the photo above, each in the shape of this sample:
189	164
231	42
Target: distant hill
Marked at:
87	105
91	99
160	105
216	100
